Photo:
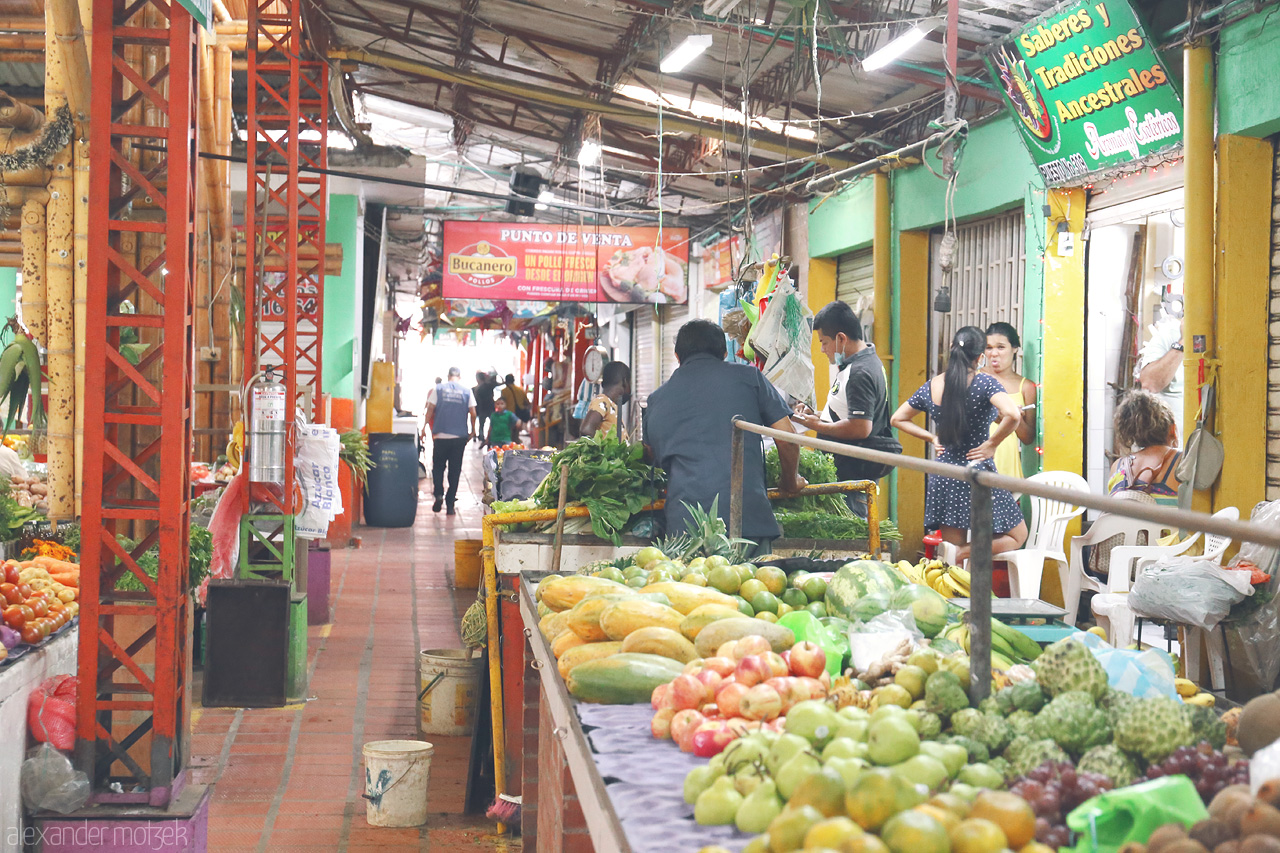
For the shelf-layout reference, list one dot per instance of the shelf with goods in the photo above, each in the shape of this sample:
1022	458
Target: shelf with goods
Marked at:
740	740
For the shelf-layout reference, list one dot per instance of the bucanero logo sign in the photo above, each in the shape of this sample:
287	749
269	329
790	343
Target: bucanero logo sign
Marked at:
483	265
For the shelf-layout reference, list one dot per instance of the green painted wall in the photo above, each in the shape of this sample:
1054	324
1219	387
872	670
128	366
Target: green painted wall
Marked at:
1248	67
341	297
8	292
842	222
995	172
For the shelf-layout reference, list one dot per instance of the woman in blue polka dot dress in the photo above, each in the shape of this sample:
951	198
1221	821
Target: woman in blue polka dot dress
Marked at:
963	403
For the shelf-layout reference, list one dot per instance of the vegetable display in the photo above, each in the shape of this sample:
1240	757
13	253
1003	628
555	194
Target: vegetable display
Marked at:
606	475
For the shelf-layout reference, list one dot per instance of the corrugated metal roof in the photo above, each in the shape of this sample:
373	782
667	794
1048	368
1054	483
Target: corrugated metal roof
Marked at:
21	75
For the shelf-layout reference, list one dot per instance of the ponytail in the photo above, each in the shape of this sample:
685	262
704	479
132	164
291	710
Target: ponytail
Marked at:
953	424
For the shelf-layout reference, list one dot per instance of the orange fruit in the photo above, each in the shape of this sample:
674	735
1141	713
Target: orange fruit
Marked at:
1009	812
977	835
947	818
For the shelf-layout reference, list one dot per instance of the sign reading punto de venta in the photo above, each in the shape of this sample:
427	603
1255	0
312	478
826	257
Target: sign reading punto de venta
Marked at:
1088	90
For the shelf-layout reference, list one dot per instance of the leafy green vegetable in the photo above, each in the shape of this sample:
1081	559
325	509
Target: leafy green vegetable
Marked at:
13	515
355	452
608	476
200	554
816	467
823	525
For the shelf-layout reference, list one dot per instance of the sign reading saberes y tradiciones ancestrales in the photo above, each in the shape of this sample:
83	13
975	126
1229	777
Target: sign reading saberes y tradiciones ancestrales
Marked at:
1088	90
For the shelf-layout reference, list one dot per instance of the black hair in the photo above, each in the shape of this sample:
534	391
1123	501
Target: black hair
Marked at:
966	349
700	336
836	317
511	379
614	373
1006	329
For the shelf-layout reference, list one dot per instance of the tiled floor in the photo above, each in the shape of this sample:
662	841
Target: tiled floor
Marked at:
292	777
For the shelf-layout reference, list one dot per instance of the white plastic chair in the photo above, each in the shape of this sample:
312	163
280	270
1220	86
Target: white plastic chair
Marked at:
1214	546
1076	579
1049	520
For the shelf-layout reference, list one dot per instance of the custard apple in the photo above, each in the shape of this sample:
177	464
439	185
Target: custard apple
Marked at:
1069	665
993	732
1153	728
1026	755
1109	760
964	721
1206	725
930	725
1115	702
1073	722
1022	723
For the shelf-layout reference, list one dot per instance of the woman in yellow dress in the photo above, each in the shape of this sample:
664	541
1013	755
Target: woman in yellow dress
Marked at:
1002	348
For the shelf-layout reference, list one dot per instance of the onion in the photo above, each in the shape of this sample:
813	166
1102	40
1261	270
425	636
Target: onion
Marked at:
9	637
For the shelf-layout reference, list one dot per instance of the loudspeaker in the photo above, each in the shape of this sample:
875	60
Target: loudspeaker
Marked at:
247	657
527	183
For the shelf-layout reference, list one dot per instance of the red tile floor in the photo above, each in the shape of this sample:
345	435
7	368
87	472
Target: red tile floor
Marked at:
292	777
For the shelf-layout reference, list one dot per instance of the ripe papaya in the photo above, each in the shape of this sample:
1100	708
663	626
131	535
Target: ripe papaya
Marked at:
660	641
687	597
704	615
567	640
584	653
620	618
564	593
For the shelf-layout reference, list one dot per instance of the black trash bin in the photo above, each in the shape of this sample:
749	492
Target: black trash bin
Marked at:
391	494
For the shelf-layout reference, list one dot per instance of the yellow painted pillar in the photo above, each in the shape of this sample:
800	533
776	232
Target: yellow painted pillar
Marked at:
1197	142
822	290
378	408
882	271
1244	206
1062	393
913	370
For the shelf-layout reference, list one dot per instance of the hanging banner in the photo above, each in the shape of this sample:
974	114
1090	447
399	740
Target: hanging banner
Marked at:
720	261
1089	91
565	263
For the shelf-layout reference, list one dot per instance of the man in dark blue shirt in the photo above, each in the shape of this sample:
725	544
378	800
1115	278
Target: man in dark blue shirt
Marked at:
688	428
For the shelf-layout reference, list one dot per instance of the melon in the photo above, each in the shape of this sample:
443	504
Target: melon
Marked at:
928	607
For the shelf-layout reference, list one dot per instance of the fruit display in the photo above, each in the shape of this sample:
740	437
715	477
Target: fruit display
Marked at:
1238	822
30	492
40	596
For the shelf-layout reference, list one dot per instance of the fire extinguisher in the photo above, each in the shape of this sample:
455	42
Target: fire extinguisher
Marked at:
268	422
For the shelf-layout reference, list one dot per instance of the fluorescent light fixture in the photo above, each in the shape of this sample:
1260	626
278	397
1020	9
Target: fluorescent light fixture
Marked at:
687	51
544	197
719	8
714	111
589	153
899	46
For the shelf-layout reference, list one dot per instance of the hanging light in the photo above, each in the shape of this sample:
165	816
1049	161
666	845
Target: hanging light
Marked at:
589	153
544	197
899	46
687	51
719	8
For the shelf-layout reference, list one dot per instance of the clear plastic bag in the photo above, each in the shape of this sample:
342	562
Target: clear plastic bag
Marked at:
1264	766
1145	674
1262	556
1189	591
870	641
49	782
1252	646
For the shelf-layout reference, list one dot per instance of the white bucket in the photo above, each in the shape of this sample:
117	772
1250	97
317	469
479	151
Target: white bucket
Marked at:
450	678
396	773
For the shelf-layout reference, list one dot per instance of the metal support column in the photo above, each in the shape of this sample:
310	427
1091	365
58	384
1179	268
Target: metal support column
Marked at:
148	404
980	534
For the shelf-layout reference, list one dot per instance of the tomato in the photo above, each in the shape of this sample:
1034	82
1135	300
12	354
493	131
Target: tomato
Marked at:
11	575
39	606
44	626
28	614
24	591
10	593
59	619
30	634
14	617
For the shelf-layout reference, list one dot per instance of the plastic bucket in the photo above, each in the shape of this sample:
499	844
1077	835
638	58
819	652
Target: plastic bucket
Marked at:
396	773
448	679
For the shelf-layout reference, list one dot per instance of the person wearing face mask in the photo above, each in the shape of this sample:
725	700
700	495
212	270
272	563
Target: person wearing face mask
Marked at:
857	407
602	411
1002	347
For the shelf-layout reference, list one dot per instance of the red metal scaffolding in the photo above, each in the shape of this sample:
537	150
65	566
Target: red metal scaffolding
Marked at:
133	655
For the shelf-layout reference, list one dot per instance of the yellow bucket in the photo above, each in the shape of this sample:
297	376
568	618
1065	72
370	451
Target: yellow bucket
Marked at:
467	565
448	681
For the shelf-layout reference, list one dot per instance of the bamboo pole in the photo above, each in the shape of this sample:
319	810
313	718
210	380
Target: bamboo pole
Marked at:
209	171
33	260
73	53
60	295
81	302
20	116
225	370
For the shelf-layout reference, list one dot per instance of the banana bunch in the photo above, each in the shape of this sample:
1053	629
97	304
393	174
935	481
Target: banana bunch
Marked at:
949	581
1009	646
20	375
1191	693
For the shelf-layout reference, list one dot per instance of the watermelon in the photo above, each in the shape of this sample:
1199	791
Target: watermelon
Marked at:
857	580
869	607
928	607
943	646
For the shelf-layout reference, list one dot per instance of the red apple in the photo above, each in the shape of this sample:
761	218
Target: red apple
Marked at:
728	698
661	697
808	659
687	692
660	726
711	679
777	665
752	670
724	666
728	649
814	687
694	666
711	711
683	725
752	644
786	688
761	702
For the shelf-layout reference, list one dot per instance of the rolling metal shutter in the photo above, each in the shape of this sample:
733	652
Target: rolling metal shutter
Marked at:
644	359
988	271
855	283
673	317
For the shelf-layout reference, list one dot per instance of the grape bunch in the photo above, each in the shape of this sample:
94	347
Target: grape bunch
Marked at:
1053	790
1203	765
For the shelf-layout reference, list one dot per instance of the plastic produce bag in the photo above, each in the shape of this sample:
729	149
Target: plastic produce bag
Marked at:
806	627
49	782
1262	556
1189	591
1264	766
1145	674
1251	643
1110	820
870	641
51	711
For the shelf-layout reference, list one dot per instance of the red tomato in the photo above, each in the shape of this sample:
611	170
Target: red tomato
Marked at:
14	617
30	634
39	606
11	575
28	615
59	619
24	591
44	626
10	593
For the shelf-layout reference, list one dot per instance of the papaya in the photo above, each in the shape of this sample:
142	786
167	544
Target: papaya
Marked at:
704	615
564	593
620	618
584	653
660	641
567	640
686	597
621	679
584	617
553	625
718	633
542	584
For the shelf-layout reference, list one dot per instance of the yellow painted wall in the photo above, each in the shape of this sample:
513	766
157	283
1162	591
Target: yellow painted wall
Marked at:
882	270
378	414
913	365
1062	394
822	290
1244	206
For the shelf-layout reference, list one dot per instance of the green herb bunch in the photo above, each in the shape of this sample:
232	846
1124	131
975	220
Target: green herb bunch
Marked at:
608	476
816	467
355	452
824	525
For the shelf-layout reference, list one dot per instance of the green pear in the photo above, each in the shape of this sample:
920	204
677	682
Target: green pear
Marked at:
801	766
786	746
848	768
925	658
759	808
964	791
923	770
698	780
747	779
981	776
813	720
892	740
744	751
844	747
952	757
854	729
719	804
853	712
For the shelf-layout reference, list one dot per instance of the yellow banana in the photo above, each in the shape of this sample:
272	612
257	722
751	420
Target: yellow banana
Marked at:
1204	700
1185	687
959	574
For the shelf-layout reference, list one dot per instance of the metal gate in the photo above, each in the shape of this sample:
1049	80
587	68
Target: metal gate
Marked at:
986	281
673	317
644	359
855	286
